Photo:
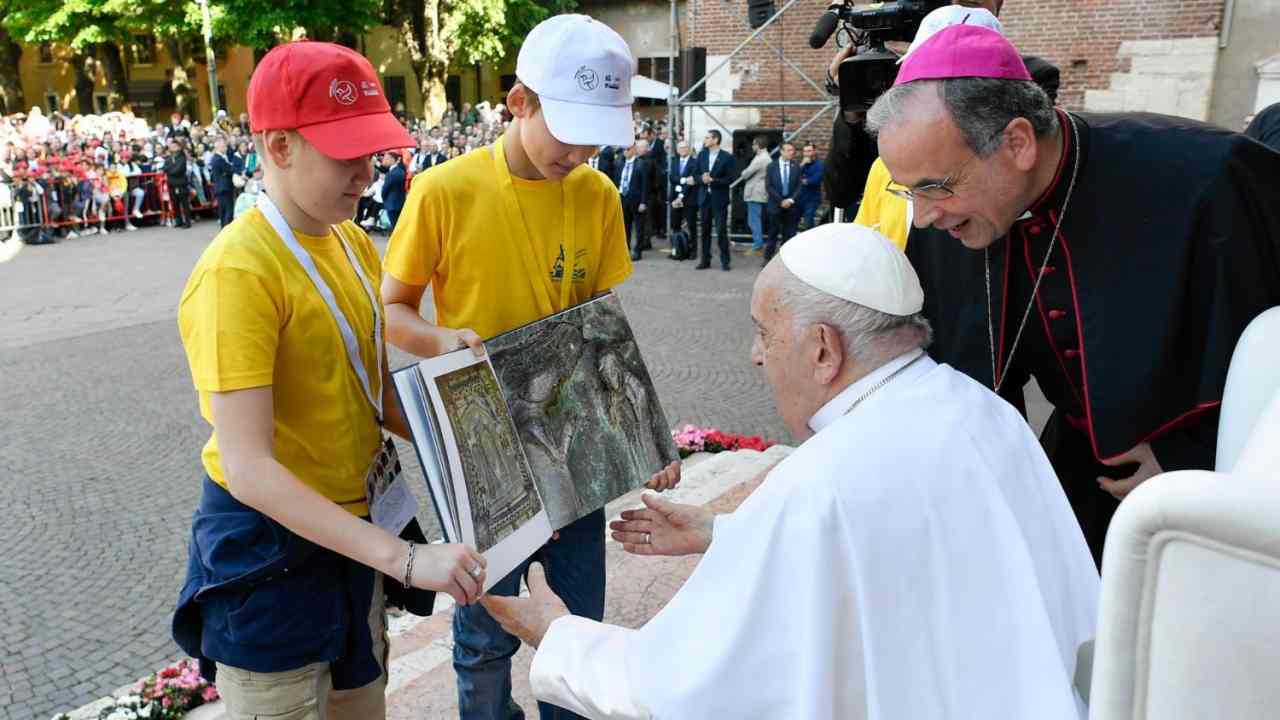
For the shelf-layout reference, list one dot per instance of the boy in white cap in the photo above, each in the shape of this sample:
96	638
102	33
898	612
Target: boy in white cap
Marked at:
282	326
874	574
508	234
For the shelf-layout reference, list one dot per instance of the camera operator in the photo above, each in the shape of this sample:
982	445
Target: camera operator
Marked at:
854	178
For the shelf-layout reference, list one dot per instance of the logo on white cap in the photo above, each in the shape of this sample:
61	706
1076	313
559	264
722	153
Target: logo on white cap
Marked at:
587	78
344	91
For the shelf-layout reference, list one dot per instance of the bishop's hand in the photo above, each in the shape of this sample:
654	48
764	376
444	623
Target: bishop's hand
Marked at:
528	618
664	528
1148	467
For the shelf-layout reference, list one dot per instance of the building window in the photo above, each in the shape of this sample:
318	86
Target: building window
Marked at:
144	50
222	98
655	68
46	53
100	103
394	86
51	102
197	49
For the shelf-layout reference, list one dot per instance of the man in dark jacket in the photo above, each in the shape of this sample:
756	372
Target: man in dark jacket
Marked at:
175	172
782	182
685	199
393	187
716	170
224	191
635	178
1115	258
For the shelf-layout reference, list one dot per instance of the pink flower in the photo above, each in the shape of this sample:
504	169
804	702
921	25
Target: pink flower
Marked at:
167	701
210	694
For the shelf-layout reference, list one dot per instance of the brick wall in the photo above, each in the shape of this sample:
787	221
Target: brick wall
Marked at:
1095	43
1092	41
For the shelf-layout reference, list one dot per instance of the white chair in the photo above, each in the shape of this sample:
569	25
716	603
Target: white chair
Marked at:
1189	614
1253	379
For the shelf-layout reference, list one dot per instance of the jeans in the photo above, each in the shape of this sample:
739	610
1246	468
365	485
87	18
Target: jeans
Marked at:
755	221
808	208
482	649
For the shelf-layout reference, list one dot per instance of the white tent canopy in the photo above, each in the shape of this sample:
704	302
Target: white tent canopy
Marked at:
643	87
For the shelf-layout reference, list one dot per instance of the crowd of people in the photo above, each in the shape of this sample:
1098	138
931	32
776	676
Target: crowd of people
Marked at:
85	174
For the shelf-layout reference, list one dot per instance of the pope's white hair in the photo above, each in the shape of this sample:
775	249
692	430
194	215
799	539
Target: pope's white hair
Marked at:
865	332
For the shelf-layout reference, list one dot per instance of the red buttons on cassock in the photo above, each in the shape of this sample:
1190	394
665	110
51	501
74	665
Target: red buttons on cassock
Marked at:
1050	269
1071	353
1056	314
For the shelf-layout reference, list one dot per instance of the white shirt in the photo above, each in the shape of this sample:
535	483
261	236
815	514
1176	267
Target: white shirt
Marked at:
711	159
625	182
916	558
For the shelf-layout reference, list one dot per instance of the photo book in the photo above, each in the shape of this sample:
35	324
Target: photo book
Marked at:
557	419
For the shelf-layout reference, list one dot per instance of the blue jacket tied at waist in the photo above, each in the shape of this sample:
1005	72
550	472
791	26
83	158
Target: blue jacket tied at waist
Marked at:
260	598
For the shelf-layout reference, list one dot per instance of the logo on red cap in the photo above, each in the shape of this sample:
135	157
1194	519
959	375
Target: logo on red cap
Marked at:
344	91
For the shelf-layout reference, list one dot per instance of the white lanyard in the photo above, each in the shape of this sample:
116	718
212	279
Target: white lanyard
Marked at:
286	234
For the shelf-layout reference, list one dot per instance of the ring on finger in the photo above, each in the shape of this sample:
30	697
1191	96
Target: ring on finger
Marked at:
646	538
474	571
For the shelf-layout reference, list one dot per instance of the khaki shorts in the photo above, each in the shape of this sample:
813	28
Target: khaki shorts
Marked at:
307	693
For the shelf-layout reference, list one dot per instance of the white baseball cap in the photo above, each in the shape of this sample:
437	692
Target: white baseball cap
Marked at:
948	15
581	70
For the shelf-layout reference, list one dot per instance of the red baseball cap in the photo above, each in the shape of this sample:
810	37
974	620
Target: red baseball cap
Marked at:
328	93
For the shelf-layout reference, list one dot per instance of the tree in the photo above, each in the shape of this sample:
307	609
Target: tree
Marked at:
11	98
91	28
439	34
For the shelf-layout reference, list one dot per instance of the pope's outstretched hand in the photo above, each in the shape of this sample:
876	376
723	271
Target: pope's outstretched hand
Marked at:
664	528
528	618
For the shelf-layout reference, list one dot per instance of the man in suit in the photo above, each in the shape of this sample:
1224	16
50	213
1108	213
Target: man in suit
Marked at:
393	187
604	162
224	192
428	155
782	182
657	155
716	169
635	177
684	195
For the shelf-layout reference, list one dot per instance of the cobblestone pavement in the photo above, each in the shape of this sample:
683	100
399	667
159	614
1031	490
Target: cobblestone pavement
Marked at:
100	441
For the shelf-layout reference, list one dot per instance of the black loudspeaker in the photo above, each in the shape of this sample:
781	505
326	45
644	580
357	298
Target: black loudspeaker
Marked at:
742	155
759	12
692	67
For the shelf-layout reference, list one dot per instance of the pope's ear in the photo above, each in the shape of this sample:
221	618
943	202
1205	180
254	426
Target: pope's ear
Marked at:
828	353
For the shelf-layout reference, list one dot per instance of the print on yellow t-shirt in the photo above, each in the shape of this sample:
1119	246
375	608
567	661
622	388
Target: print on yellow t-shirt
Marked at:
456	235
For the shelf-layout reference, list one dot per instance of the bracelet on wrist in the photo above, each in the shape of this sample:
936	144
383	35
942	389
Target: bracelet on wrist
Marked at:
408	566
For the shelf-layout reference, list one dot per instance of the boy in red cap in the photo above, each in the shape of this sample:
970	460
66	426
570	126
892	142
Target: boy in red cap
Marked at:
282	327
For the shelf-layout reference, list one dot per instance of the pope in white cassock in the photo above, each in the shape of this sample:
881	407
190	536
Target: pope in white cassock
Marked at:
915	558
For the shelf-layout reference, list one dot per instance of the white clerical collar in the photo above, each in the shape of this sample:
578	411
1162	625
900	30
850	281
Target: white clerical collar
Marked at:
839	405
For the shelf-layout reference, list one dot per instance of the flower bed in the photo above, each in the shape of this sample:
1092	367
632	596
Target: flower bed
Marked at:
692	439
167	695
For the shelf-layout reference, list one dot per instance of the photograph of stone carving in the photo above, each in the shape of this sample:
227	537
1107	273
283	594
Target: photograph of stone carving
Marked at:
584	405
499	485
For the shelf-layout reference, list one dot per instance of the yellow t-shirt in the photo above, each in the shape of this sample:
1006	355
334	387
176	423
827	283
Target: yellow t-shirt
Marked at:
251	317
883	211
455	233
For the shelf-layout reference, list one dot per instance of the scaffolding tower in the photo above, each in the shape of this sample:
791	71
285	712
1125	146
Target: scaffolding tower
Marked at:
678	101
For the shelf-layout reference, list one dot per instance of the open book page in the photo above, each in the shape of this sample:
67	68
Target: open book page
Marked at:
585	407
498	509
429	444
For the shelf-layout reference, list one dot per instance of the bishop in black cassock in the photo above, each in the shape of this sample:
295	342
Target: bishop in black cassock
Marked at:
1137	247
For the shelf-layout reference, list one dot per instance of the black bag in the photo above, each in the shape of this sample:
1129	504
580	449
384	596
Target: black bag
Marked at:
680	247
